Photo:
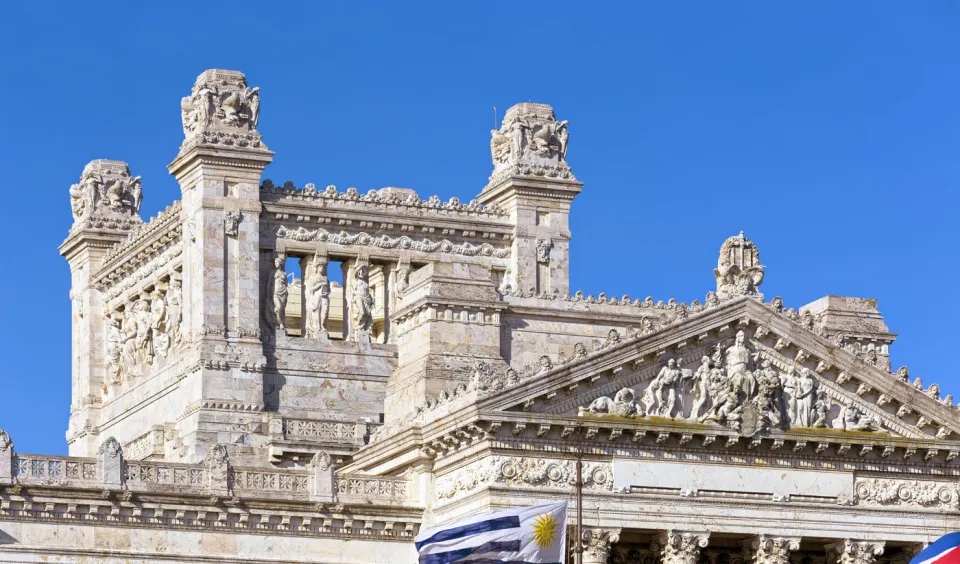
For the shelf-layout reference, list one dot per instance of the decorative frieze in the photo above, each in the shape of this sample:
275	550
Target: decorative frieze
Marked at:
425	245
522	471
915	493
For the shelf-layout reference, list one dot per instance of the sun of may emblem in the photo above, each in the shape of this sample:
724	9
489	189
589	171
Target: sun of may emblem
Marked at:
544	530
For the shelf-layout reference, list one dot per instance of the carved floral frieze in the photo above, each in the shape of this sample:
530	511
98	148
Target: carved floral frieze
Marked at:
912	493
519	471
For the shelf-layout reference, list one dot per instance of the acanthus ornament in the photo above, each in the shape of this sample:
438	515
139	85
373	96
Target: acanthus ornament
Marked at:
680	547
766	549
849	551
386	242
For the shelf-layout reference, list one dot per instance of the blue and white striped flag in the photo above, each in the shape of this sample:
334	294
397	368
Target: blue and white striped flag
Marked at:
527	535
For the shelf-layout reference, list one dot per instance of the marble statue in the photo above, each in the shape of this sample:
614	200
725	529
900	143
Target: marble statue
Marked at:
318	299
277	295
805	392
703	398
174	299
361	305
158	324
114	344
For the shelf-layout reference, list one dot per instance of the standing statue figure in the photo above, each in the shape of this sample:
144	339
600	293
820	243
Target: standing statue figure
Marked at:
78	200
158	324
128	350
788	386
563	137
361	307
251	97
114	348
277	292
318	300
136	193
141	311
702	387
174	299
768	398
738	364
805	394
668	379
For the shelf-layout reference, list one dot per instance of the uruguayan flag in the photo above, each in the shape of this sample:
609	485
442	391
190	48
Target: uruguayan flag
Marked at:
531	535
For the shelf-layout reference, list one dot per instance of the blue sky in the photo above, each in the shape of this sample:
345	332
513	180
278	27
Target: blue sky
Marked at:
828	131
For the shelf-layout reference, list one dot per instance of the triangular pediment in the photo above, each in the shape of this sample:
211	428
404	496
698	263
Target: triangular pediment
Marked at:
777	378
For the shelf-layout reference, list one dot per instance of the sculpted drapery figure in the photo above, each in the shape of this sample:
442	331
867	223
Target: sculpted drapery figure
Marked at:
702	388
318	299
128	351
669	380
114	344
277	295
804	390
361	306
144	344
738	364
174	300
158	324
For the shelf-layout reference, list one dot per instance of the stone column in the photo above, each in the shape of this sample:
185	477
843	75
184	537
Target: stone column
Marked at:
767	549
680	547
532	182
597	544
850	551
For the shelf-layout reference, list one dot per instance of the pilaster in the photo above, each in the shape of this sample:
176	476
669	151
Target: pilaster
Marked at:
219	168
105	206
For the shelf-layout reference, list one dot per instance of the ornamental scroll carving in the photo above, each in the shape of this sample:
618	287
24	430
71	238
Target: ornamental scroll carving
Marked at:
106	195
386	242
221	109
766	549
530	472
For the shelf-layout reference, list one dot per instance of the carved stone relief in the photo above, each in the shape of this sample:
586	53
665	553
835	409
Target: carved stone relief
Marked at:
915	493
529	472
680	547
222	109
106	193
738	272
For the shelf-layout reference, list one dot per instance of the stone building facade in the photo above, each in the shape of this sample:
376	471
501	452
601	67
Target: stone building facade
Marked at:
224	411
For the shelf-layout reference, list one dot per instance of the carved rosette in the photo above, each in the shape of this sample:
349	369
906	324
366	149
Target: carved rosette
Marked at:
597	543
917	493
850	551
107	196
765	549
221	110
680	547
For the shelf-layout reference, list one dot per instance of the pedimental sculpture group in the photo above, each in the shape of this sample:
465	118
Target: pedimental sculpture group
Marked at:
267	372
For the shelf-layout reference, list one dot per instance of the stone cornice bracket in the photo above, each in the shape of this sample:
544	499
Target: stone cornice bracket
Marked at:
767	549
850	551
680	547
597	544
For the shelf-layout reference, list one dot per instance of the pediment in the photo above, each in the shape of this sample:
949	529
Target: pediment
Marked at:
765	374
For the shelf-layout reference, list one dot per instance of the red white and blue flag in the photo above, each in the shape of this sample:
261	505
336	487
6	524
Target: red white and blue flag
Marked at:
945	550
